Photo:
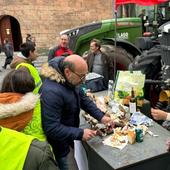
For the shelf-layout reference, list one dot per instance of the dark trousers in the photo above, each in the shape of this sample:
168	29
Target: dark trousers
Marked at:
8	61
68	162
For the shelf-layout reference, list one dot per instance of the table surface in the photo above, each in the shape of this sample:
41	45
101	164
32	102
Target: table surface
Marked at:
150	148
131	154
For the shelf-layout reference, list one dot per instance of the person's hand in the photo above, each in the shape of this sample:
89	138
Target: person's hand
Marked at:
105	120
159	114
88	134
109	123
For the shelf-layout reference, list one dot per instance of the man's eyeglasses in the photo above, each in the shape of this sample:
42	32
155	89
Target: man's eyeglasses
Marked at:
82	77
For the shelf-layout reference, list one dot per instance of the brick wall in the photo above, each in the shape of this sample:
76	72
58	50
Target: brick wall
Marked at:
44	19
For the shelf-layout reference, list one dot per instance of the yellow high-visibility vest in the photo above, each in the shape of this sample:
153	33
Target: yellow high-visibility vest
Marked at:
34	73
14	147
34	127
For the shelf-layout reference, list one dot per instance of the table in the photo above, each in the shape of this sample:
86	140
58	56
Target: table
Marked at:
147	155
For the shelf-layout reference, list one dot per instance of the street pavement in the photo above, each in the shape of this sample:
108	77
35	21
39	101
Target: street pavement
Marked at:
40	60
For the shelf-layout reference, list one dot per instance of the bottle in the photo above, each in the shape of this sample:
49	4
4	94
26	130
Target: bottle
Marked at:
132	102
110	89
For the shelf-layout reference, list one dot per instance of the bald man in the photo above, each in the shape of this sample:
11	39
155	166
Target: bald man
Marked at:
61	49
61	99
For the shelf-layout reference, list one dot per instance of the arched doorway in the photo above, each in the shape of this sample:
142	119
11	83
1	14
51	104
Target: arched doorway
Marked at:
10	29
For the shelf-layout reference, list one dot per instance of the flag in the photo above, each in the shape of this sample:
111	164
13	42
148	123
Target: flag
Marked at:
139	2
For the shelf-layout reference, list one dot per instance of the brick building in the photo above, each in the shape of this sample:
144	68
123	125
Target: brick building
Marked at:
44	19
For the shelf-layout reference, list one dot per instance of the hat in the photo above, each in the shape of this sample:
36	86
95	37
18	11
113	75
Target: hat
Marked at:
56	62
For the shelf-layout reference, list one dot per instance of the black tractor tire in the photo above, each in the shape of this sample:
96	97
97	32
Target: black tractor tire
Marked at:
123	58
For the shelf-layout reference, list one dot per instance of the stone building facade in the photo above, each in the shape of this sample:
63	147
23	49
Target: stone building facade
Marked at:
44	19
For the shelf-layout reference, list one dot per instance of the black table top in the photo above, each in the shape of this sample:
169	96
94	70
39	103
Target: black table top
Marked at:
150	148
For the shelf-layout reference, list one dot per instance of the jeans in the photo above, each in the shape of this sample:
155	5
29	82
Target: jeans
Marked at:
62	163
67	162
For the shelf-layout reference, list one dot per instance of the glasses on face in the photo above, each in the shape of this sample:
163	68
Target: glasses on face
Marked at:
82	77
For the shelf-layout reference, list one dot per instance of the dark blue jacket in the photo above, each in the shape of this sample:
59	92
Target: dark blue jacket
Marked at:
61	105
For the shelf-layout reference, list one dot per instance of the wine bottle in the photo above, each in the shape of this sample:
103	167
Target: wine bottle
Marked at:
132	103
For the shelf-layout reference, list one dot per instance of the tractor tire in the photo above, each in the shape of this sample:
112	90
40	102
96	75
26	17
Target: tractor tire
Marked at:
123	58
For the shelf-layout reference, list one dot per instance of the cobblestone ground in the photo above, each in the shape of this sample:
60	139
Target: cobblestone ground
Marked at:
40	60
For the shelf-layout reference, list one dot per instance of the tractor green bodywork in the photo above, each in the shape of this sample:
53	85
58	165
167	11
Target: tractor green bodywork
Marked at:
127	31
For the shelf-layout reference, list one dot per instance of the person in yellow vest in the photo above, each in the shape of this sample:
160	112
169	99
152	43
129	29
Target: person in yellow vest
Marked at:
24	152
25	58
19	106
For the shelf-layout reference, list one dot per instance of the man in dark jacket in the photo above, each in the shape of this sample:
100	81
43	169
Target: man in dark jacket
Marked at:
62	49
8	49
61	100
98	62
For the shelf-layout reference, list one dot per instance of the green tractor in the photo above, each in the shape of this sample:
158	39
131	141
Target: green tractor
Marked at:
133	51
129	39
127	31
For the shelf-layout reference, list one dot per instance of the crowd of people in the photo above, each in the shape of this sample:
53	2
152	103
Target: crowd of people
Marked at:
34	113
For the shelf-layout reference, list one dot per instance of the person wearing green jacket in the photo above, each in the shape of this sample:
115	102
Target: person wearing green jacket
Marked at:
24	152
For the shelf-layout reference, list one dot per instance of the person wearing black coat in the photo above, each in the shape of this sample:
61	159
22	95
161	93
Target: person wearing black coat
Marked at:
8	49
61	100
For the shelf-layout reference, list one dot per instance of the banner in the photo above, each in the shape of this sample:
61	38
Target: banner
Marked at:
139	2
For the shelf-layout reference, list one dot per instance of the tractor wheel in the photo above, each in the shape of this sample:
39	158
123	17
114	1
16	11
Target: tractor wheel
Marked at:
123	58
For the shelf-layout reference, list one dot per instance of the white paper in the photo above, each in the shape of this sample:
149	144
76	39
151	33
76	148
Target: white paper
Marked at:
108	142
80	155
